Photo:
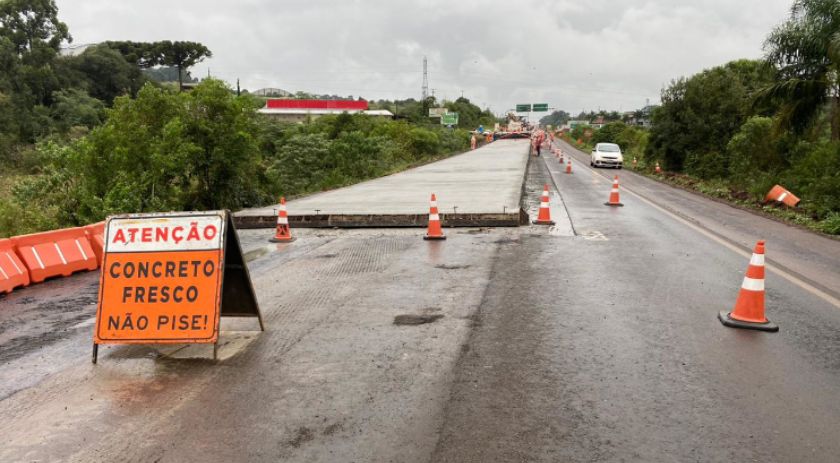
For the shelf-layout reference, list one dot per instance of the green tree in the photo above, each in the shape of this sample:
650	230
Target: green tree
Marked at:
470	116
224	157
75	108
161	151
178	54
167	74
33	28
104	73
701	113
144	55
556	119
754	150
30	36
183	55
611	133
806	51
299	162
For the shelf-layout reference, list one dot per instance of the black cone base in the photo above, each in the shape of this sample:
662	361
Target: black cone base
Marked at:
733	323
614	204
434	238
285	240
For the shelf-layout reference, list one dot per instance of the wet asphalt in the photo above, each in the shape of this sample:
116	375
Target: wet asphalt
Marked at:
593	340
606	347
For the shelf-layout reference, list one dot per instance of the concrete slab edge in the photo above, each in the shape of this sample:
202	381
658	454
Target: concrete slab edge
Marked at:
509	219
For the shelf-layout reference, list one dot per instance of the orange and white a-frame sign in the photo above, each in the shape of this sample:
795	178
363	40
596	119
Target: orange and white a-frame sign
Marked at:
168	277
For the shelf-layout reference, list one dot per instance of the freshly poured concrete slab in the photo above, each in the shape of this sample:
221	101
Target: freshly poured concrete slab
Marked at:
478	188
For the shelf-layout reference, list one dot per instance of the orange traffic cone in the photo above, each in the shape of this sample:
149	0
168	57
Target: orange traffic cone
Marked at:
284	234
779	194
561	158
658	169
569	167
749	308
614	201
544	217
434	232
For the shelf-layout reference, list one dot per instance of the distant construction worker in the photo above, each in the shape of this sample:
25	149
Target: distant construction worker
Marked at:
489	137
472	142
538	141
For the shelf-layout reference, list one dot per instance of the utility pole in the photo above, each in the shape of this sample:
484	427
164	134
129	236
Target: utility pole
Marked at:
425	90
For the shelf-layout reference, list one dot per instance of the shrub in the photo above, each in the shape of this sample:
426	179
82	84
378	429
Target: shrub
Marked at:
831	224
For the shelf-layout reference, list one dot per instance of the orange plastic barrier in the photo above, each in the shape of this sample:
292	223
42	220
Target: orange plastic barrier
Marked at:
12	271
54	253
778	193
96	236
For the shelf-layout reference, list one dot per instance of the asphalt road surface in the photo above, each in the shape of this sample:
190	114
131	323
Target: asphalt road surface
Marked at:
593	340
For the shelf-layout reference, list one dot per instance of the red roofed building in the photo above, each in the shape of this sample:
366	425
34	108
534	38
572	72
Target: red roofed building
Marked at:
299	110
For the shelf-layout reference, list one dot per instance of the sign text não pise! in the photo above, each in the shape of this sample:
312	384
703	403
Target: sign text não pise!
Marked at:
161	279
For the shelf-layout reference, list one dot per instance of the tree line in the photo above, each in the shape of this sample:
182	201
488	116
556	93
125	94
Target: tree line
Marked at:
208	149
749	124
86	136
43	93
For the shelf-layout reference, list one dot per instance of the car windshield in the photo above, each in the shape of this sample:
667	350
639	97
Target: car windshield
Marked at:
608	147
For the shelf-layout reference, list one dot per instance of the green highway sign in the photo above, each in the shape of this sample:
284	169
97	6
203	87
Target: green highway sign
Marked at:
540	107
523	108
449	119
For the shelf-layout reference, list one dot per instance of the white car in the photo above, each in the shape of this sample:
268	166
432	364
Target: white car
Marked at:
606	155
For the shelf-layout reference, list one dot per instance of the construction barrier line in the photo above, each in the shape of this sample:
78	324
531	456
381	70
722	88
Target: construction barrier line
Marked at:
54	253
12	270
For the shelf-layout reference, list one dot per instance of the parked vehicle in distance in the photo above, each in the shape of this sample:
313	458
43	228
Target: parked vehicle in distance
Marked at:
606	155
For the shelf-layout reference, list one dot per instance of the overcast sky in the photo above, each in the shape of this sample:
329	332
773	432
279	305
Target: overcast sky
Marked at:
574	55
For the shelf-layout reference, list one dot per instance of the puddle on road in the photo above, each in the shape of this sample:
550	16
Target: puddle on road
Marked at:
255	254
416	319
451	267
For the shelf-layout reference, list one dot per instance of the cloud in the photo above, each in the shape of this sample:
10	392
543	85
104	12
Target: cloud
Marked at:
610	54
